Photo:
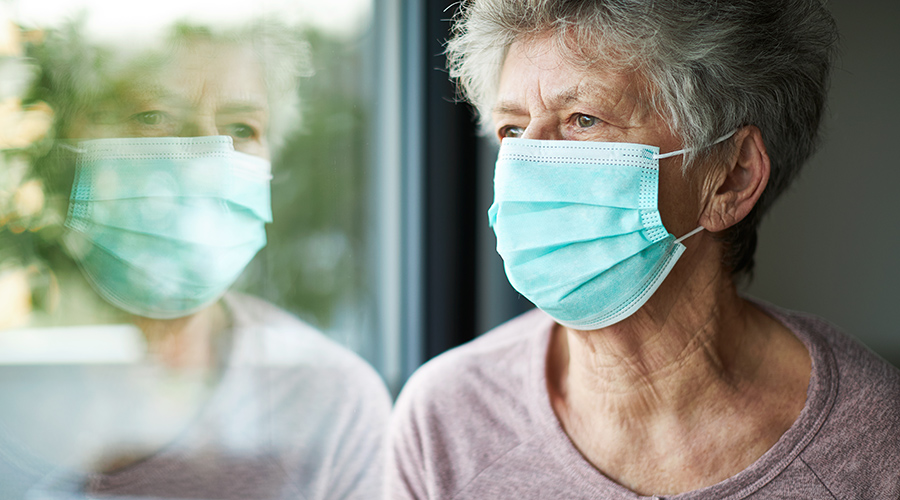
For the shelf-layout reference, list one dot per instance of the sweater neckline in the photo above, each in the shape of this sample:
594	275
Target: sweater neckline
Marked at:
820	398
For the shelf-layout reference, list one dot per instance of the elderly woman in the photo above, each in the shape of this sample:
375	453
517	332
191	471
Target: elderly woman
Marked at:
641	142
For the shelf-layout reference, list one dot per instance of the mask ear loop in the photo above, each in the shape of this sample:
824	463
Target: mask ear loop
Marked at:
71	148
695	231
660	156
682	151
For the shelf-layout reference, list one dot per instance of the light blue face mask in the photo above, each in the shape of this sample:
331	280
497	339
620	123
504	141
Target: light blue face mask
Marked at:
578	227
161	227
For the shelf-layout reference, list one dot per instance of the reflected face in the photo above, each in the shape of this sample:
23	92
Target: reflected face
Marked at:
164	241
544	95
204	90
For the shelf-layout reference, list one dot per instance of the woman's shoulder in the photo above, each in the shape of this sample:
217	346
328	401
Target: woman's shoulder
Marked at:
856	447
464	410
860	373
497	361
266	336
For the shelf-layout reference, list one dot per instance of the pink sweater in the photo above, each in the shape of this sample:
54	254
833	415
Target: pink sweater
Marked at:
476	423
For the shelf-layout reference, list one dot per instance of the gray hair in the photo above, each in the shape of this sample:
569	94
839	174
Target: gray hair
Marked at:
284	57
712	68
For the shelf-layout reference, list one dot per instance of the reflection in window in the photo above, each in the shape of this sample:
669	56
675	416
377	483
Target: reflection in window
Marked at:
167	201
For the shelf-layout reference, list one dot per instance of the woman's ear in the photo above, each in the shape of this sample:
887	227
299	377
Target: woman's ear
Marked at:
736	188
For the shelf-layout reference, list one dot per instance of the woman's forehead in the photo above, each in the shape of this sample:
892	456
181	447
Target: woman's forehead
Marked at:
538	69
189	75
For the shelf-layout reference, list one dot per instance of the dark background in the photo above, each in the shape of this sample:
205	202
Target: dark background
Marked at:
831	244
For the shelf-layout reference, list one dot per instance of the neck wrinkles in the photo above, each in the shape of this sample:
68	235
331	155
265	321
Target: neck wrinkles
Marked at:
660	360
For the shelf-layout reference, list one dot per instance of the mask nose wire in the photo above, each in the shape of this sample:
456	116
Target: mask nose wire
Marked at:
660	156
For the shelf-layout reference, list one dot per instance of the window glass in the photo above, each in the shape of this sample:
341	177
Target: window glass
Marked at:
186	302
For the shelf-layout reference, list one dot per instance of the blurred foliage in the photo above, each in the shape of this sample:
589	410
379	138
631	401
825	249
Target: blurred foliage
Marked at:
26	282
313	263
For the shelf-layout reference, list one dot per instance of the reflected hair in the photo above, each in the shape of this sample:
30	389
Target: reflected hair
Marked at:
284	57
711	68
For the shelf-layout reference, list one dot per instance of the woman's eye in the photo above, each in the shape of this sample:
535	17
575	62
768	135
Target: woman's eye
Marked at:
241	131
150	118
586	121
511	131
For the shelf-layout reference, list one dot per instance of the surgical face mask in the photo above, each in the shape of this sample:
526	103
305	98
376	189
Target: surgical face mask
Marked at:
161	227
579	229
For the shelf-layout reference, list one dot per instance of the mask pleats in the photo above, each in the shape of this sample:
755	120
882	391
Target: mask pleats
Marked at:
161	227
578	227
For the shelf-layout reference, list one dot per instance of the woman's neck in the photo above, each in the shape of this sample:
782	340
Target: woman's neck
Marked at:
188	342
665	356
694	375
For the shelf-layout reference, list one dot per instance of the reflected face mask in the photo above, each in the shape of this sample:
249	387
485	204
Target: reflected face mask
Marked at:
578	227
161	227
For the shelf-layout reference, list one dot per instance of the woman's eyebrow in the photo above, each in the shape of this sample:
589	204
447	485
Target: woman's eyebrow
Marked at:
149	92
508	108
592	94
242	106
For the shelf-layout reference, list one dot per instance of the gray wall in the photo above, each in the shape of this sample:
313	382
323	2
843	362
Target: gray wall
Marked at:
830	246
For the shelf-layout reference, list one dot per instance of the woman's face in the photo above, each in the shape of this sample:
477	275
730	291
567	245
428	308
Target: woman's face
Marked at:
544	95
